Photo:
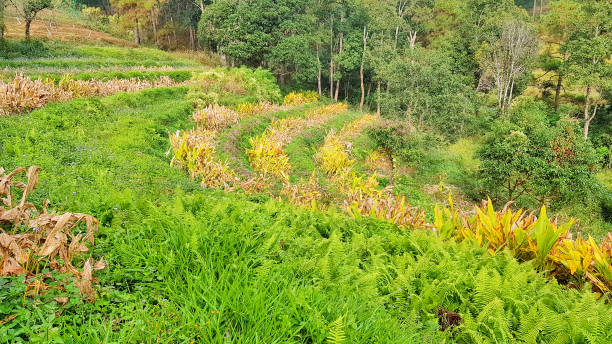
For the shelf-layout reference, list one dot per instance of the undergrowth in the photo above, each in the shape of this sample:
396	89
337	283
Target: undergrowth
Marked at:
187	264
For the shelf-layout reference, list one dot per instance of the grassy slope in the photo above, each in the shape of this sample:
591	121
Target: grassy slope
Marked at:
241	270
54	58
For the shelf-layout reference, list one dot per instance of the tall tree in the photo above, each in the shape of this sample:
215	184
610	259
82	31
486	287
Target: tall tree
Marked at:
559	25
589	49
28	9
508	57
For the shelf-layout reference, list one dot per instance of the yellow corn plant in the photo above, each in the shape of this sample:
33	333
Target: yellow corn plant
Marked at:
261	108
194	151
24	94
300	98
332	156
326	111
363	196
256	184
305	194
266	154
268	157
215	117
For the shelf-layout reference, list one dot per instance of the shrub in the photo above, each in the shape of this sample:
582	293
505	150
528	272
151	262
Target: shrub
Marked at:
526	160
530	237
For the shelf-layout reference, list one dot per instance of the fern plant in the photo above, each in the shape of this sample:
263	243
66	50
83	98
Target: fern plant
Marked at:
336	332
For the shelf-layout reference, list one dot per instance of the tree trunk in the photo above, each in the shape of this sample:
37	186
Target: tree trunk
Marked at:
174	31
136	33
154	24
27	28
587	112
535	6
319	88
202	6
396	35
413	37
192	38
331	56
378	100
365	39
341	41
558	90
392	176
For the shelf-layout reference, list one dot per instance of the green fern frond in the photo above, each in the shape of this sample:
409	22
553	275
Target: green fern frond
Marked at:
336	332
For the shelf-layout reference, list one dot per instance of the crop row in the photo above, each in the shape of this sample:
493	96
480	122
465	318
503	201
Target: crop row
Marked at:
23	94
266	154
194	150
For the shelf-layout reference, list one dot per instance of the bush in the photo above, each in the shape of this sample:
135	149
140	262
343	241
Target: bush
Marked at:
528	160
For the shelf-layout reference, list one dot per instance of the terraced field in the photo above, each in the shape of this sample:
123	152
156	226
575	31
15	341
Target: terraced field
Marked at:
228	213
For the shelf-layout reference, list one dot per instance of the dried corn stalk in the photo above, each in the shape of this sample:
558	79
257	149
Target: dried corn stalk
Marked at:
24	94
48	239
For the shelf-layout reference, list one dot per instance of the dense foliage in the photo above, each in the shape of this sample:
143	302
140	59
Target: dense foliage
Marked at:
243	195
185	257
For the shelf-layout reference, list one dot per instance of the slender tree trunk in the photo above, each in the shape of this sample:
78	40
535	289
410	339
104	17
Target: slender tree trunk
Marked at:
28	22
378	100
365	40
331	56
587	114
587	123
192	38
559	83
202	6
341	40
535	6
558	90
136	33
319	72
174	31
396	35
413	37
154	24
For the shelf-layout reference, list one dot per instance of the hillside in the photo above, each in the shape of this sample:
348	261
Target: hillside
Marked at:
258	262
307	172
59	25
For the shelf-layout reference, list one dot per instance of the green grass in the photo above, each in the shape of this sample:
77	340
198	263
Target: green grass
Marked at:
54	57
251	270
175	75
